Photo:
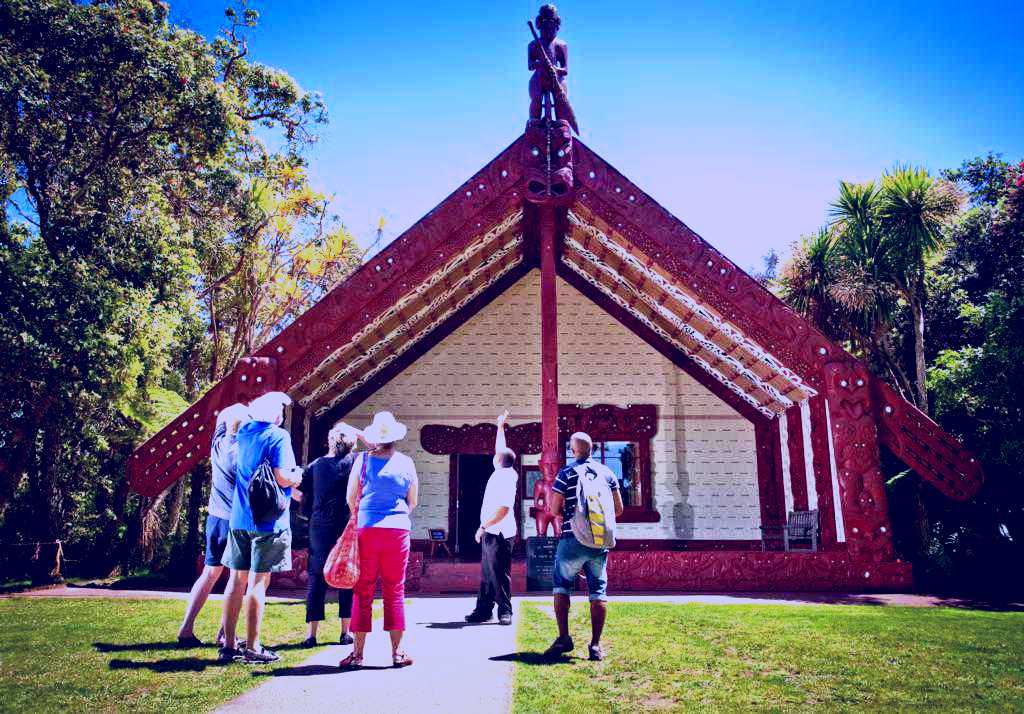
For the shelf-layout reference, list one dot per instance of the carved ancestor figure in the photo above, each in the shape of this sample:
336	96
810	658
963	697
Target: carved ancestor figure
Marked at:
548	58
542	515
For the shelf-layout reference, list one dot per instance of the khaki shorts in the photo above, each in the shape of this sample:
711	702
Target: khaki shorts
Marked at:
259	552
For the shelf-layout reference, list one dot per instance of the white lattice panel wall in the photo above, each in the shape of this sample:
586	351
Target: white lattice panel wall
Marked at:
703	471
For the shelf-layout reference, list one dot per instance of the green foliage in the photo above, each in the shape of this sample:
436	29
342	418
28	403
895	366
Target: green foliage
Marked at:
893	247
133	175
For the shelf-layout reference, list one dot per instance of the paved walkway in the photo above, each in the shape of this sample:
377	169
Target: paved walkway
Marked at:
883	599
453	670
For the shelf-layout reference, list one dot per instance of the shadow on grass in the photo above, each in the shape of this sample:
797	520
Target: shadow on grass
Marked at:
181	664
457	625
144	646
532	658
313	670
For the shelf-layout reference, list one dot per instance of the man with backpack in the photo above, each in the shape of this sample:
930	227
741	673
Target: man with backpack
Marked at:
259	542
586	493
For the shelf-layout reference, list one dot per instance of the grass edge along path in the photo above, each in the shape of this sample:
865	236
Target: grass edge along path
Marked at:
118	654
774	657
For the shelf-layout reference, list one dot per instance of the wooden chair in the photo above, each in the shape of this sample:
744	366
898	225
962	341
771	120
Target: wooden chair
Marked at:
799	526
438	537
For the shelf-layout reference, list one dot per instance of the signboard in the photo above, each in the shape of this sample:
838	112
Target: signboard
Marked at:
540	562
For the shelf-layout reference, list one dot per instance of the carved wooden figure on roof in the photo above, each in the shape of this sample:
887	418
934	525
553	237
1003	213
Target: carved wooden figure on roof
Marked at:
548	58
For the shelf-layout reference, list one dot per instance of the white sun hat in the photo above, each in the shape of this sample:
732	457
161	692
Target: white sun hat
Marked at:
347	431
384	429
237	412
269	407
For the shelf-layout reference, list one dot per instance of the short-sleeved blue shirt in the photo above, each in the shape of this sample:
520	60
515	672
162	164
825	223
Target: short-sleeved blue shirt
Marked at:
385	487
259	441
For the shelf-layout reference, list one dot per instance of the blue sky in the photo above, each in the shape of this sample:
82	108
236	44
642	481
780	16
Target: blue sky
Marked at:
739	117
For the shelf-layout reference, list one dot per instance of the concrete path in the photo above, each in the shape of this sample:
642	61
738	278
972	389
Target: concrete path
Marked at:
453	670
880	599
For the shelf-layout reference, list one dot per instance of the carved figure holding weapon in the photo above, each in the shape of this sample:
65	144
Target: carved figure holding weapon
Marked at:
548	58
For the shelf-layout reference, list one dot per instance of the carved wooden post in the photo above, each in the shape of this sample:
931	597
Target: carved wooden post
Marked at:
549	459
549	181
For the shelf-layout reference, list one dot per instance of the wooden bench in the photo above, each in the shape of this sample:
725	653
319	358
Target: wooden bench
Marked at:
800	526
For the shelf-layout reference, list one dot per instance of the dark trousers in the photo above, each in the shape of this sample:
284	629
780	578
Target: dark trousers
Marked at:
321	540
495	575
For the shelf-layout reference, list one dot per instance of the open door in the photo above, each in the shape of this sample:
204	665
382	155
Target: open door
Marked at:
473	472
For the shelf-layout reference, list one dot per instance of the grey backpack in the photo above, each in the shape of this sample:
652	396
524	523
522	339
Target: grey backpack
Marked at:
593	523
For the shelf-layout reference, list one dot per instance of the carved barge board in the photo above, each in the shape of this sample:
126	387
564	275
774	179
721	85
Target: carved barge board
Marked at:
860	416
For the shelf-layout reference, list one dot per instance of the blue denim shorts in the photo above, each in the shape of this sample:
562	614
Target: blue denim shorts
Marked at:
217	531
570	558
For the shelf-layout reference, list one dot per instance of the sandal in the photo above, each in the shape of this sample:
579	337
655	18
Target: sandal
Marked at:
353	661
400	659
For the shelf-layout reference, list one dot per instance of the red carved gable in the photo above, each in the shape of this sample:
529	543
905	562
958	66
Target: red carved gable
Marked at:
800	361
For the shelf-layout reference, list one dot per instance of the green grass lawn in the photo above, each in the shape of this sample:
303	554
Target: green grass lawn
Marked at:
756	657
105	655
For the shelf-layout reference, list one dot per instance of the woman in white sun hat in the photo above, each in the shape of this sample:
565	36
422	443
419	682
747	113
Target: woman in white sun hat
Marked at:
389	493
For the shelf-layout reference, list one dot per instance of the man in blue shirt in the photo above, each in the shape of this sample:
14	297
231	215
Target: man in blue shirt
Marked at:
257	548
223	452
571	556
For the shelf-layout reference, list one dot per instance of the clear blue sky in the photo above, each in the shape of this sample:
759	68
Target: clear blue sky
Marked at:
739	117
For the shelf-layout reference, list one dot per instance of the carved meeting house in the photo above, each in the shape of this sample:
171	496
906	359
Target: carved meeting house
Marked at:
549	284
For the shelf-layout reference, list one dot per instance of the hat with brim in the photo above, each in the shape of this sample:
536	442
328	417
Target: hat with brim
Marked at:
384	429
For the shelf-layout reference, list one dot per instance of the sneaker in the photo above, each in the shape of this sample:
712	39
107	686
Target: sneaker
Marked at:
345	639
227	655
189	642
560	647
505	619
261	656
477	617
596	653
308	642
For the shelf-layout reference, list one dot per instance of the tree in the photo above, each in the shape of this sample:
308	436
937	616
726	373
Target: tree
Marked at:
128	148
914	211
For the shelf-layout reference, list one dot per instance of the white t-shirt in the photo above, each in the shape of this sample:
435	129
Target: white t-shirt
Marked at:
500	491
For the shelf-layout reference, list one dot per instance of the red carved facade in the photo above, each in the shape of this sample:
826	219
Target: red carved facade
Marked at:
852	412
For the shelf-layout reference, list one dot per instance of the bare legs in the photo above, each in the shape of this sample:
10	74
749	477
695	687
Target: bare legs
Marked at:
314	625
562	615
598	613
396	640
197	598
233	595
255	602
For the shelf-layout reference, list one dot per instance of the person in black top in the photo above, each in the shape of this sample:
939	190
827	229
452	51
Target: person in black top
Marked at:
324	485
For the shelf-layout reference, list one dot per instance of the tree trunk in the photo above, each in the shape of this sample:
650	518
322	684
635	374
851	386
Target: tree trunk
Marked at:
917	310
15	462
197	481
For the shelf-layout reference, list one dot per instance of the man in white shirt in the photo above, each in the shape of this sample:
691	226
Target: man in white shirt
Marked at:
495	534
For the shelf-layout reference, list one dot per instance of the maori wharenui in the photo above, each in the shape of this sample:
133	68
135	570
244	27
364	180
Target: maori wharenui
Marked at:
551	284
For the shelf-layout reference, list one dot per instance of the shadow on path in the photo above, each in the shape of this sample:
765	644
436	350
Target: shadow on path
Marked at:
312	670
457	625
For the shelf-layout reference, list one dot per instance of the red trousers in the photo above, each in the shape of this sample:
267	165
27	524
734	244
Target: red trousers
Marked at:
383	552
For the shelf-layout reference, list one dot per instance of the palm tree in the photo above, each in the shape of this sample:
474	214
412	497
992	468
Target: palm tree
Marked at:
913	211
807	279
863	280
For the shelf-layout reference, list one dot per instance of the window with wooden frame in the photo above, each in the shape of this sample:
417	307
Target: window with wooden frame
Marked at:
622	442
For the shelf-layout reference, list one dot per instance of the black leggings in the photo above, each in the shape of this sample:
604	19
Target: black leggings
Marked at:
321	540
